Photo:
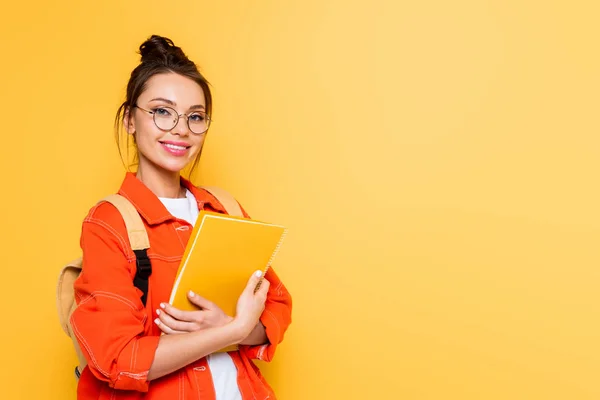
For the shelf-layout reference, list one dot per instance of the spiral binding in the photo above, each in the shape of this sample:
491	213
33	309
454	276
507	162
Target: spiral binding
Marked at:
273	255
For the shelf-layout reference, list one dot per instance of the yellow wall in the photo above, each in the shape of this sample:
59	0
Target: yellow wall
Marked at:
436	162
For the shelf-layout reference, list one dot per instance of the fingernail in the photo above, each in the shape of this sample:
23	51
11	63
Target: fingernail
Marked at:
157	321
157	312
162	305
258	274
192	294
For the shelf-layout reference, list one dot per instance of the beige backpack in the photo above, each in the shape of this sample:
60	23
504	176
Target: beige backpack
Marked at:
138	239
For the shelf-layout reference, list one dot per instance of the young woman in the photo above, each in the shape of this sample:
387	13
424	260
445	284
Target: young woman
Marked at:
156	351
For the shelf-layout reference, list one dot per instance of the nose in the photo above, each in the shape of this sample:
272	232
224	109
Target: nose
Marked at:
181	128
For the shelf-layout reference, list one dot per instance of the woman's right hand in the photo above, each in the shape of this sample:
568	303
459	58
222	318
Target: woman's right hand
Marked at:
251	304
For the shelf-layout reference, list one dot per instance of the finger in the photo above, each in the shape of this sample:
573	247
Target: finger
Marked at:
252	282
200	301
263	288
165	328
173	323
187	316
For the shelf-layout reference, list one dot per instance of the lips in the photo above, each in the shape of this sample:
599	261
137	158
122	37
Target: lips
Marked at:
176	148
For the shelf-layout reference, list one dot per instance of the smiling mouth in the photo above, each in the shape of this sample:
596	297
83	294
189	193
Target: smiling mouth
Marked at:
174	146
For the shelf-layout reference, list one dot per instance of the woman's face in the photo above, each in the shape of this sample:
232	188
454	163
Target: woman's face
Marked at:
170	149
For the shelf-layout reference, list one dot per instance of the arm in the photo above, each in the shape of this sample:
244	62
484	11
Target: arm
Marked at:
276	318
173	321
176	351
110	320
257	336
279	312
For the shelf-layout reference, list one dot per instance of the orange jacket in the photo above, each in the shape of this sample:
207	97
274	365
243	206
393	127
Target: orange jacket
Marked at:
116	332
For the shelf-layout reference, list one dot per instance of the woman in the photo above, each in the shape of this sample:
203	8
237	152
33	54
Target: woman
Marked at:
154	351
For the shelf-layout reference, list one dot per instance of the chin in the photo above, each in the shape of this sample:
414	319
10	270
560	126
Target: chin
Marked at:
166	163
174	166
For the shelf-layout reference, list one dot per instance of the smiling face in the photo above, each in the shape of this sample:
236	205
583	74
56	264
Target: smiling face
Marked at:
167	150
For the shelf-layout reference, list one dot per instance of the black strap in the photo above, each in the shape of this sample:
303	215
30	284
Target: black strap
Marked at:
143	272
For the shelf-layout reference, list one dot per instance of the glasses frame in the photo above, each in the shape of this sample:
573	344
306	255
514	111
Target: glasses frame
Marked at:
187	119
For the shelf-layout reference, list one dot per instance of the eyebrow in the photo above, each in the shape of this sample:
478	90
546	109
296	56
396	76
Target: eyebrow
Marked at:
172	103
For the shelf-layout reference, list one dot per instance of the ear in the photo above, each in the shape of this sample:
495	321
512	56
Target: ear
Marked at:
129	122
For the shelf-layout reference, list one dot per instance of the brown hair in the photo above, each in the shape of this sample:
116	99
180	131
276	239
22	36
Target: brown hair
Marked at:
158	55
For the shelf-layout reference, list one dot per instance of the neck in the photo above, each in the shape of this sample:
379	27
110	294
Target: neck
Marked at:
162	183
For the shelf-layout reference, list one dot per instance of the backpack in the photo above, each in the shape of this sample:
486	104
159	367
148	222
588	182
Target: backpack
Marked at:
138	240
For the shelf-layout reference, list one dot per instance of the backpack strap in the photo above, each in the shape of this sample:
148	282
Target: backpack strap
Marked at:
139	242
138	239
226	199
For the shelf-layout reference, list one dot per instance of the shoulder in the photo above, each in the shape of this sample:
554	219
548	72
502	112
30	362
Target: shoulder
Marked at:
220	200
104	212
105	220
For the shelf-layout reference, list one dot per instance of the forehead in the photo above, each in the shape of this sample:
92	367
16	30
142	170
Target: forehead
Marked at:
177	88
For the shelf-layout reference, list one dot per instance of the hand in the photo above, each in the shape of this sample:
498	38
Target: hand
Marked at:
174	321
251	303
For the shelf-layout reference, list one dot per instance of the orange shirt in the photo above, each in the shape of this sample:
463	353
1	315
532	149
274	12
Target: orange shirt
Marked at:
116	332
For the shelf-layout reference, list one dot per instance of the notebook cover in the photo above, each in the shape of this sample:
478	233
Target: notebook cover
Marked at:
222	253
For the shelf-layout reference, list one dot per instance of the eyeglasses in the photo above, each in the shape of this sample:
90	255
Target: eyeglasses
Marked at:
166	118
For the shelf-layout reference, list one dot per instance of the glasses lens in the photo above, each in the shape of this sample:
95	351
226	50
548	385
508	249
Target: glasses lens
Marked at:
165	118
198	122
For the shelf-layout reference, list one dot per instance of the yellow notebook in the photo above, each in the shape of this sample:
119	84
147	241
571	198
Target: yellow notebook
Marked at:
221	255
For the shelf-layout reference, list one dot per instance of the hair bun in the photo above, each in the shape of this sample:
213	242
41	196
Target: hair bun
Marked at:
158	48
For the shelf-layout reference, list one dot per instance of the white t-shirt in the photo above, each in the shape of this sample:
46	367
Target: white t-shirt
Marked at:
222	368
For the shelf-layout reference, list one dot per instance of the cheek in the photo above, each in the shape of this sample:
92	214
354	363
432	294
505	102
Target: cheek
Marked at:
147	127
197	146
145	142
142	139
147	134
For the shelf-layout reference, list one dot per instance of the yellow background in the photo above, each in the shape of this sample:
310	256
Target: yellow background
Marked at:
435	161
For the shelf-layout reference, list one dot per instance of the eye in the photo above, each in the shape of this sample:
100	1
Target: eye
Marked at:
162	112
197	117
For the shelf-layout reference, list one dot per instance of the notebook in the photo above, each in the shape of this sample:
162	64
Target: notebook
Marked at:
222	253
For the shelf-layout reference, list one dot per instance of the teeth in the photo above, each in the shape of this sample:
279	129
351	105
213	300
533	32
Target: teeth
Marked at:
172	146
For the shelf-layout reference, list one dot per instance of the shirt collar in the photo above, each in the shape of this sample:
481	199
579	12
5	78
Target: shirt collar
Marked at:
149	205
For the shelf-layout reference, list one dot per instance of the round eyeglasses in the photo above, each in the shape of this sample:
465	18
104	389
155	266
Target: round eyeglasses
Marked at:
166	118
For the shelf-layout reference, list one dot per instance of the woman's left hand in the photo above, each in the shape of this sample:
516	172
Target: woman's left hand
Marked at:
174	321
